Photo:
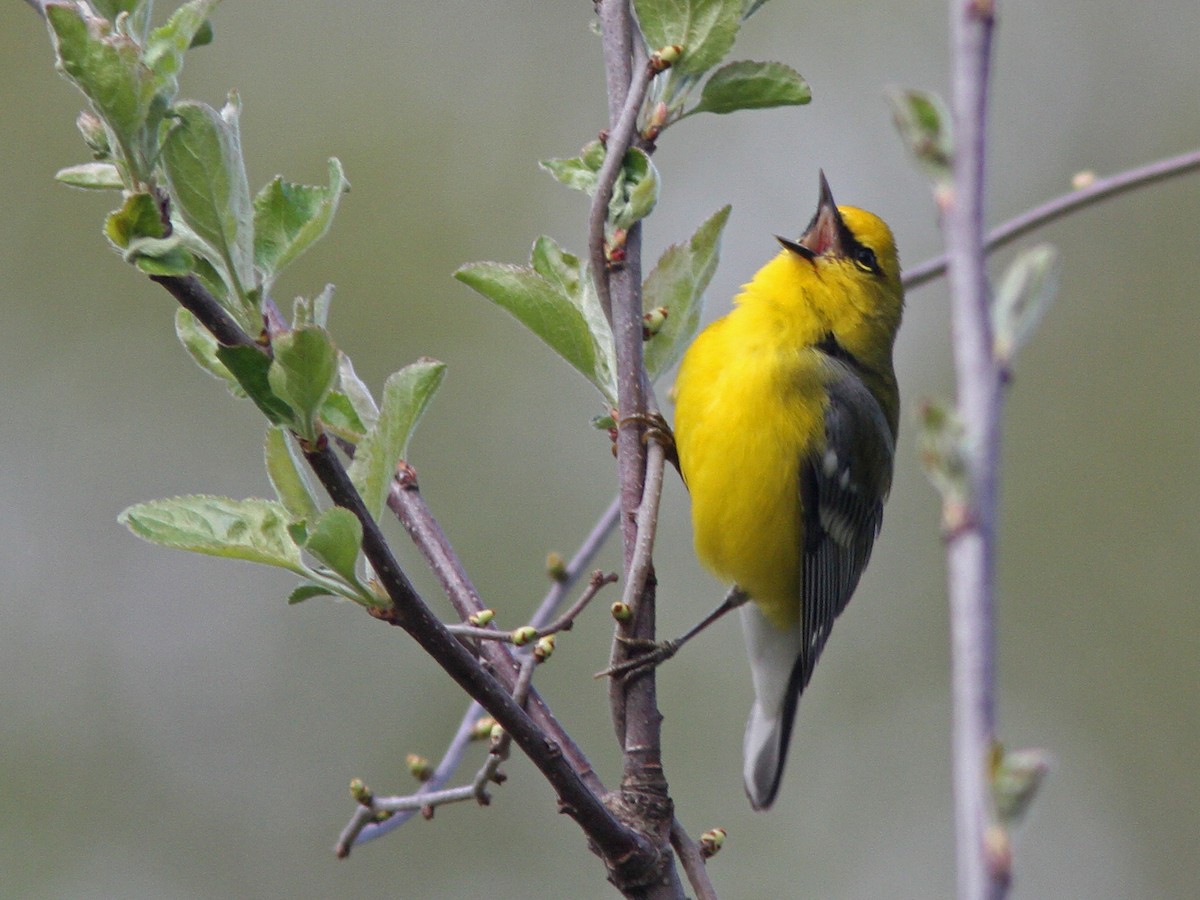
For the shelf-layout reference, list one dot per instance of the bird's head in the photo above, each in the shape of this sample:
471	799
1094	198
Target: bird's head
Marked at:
850	239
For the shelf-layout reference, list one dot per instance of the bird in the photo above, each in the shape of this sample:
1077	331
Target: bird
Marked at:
786	417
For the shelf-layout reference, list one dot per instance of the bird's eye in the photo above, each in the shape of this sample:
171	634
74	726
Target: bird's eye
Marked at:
864	258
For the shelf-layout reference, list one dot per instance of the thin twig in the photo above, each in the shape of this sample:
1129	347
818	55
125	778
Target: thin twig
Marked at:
567	620
616	145
970	551
407	502
361	828
452	758
623	848
583	557
427	798
1045	213
639	570
692	861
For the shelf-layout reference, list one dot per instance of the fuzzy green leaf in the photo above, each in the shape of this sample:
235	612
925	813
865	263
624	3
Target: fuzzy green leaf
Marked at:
110	9
106	65
287	476
138	217
406	394
339	416
250	368
202	158
636	190
357	393
540	305
923	121
254	530
335	539
95	176
166	45
575	172
1024	295
677	285
303	373
752	85
705	29
290	218
160	257
307	592
202	347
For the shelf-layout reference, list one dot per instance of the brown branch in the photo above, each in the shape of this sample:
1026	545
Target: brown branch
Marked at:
693	863
195	298
360	830
627	854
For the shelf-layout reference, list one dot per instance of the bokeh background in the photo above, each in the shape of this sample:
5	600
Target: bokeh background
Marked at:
170	728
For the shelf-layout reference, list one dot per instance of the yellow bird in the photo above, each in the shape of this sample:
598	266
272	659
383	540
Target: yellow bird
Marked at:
786	413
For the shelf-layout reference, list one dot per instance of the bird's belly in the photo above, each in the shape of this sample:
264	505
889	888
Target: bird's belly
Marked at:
741	459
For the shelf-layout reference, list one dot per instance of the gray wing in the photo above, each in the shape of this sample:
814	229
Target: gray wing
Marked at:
842	492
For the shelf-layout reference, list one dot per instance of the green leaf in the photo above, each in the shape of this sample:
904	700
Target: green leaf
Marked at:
577	172
254	530
705	29
406	394
202	347
287	476
1015	776
636	190
314	311
335	539
941	445
290	218
110	9
1024	295
357	393
339	416
540	305
138	217
303	373
604	369
160	257
752	85
202	158
106	65
96	176
557	266
251	367
307	592
677	285
924	125
166	45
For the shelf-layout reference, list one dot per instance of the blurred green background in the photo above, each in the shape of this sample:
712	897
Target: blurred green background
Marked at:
172	729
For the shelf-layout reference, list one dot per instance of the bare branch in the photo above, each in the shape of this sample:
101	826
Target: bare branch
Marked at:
366	829
971	550
693	863
1099	190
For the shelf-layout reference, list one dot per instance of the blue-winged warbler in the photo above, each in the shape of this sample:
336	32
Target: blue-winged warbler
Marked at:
786	413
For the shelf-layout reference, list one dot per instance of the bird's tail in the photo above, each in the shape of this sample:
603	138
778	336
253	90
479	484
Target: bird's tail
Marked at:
774	655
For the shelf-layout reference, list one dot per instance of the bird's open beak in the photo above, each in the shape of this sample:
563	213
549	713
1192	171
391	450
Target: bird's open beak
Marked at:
823	237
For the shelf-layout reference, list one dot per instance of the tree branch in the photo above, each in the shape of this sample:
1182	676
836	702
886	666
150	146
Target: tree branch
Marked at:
627	854
971	549
1099	190
643	799
359	832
